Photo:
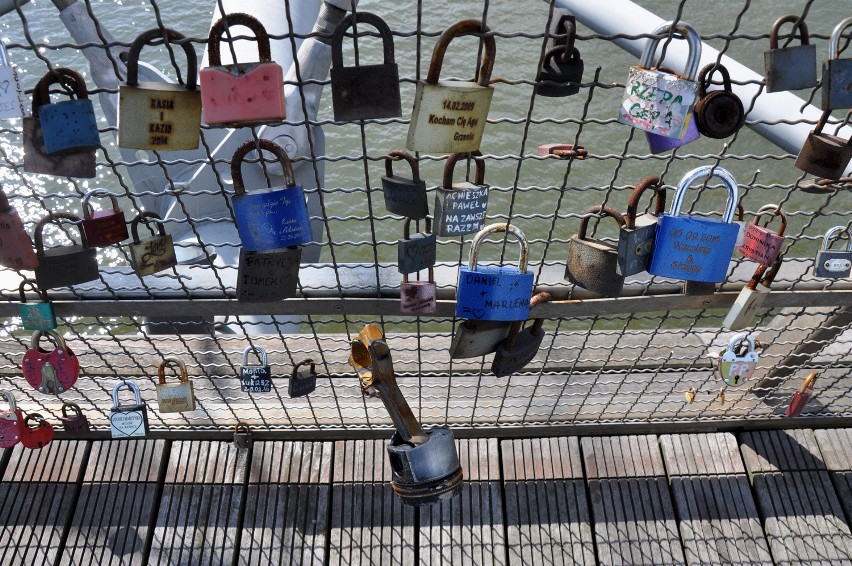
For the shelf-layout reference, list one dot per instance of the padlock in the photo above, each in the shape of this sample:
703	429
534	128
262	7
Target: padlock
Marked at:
153	254
690	395
561	71
128	421
76	424
272	218
255	378
759	242
521	346
241	94
736	368
406	197
39	436
11	93
68	126
16	250
563	151
824	155
11	423
741	224
416	253
495	292
270	275
302	382
691	247
475	338
834	264
174	397
37	315
720	113
460	207
837	73
790	68
657	101
802	396
50	371
751	297
242	436
661	144
364	92
449	116
159	115
636	237
103	227
66	265
418	297
592	264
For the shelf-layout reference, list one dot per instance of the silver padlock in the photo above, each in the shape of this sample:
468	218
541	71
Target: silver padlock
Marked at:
790	68
460	207
128	421
751	297
834	264
736	368
636	237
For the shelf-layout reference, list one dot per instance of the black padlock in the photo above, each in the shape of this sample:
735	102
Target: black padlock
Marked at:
406	197
302	382
65	265
254	378
720	113
521	346
416	253
561	71
824	155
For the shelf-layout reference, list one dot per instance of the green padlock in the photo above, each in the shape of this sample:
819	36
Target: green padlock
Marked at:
38	315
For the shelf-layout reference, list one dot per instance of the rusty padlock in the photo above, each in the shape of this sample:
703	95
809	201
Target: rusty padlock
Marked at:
16	251
50	371
824	155
460	207
11	423
65	265
39	436
403	196
37	315
103	227
153	254
720	113
418	297
521	346
759	242
174	397
837	73
475	338
302	382
636	237
416	253
790	68
592	263
751	296
561	70
76	424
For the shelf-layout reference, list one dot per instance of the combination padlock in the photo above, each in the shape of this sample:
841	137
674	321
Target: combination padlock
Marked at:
720	113
736	368
561	70
418	297
174	397
751	297
37	315
636	237
521	346
837	73
460	207
65	265
824	155
76	423
592	264
11	423
790	68
302	382
103	227
759	242
416	253
128	421
153	254
255	378
270	275
12	96
38	436
50	371
403	196
834	264
475	338
16	250
68	126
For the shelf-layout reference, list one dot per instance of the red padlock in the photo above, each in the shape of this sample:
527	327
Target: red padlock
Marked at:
77	423
103	227
11	423
759	242
39	436
53	371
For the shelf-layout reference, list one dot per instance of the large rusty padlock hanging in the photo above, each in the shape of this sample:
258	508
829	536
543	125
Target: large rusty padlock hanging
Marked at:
751	297
636	237
495	292
65	265
128	421
449	116
418	297
38	436
657	101
11	423
12	96
460	207
174	397
824	155
790	68
837	73
68	126
561	70
521	346
241	94
416	253
759	242
37	315
720	113
403	196
475	338
695	248
50	371
364	92
103	227
425	465
159	115
736	368
76	423
153	254
592	264
255	378
270	275
272	218
834	264
302	381
16	250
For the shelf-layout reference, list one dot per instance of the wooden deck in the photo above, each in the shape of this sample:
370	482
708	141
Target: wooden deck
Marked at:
779	497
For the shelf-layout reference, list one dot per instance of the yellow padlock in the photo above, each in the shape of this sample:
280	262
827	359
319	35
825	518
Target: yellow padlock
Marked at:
174	397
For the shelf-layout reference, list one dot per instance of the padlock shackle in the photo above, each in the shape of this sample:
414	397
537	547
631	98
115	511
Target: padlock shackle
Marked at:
52	217
73	406
397	155
361	17
705	78
450	165
61	75
431	275
535	329
146	38
145	217
823	120
773	271
826	241
523	259
600	211
834	42
34	286
34	416
308	361
261	144
797	23
128	384
684	30
736	339
261	353
55	336
161	370
757	277
709	171
464	27
808	383
10	399
773	210
564	54
88	210
655	184
227	21
406	227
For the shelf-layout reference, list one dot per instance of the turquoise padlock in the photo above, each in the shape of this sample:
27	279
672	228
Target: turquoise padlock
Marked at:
68	126
38	315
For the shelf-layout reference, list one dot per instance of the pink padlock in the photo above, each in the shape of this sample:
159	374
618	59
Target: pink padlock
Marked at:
11	423
418	297
16	250
759	242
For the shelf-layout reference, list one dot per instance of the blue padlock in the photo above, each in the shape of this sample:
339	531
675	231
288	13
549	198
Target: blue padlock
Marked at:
693	248
68	126
38	315
495	292
270	218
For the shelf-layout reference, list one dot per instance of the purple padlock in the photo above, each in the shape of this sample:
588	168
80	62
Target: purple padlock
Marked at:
661	144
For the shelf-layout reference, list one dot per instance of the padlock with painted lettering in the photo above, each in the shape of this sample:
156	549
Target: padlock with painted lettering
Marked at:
416	253
720	113
153	254
68	126
50	371
64	265
241	94
837	73
751	297
271	275
824	155
495	292
128	421
460	207
39	436
636	237
475	338
834	264
592	264
16	250
272	218
37	315
174	397
103	227
657	101
759	242
159	115
11	423
302	381
561	71
12	95
76	423
255	378
418	297
696	248
403	196
364	92
790	68
521	346
449	116
736	368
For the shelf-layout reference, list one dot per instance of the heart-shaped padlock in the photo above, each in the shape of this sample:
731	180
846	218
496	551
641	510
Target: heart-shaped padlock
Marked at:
736	368
53	371
11	423
38	436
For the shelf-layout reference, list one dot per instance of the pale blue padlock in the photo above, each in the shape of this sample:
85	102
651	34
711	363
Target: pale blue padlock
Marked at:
694	248
495	292
36	315
67	126
270	218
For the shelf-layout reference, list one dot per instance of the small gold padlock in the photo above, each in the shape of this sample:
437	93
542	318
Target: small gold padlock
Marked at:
690	395
721	397
174	397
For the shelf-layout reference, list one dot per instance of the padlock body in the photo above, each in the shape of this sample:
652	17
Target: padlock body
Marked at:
833	264
735	369
161	116
745	306
303	384
12	97
270	275
37	316
255	379
426	473
105	227
69	125
244	94
824	155
38	437
460	209
268	219
76	425
37	160
658	102
761	244
694	249
128	421
790	68
153	255
494	293
567	76
506	362
448	117
11	428
405	197
67	265
365	92
54	371
837	84
417	297
417	253
661	144
719	114
592	265
475	338
16	250
798	402
175	397
635	246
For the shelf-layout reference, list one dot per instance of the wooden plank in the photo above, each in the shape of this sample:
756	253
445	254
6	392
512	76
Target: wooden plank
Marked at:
781	450
291	462
835	445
